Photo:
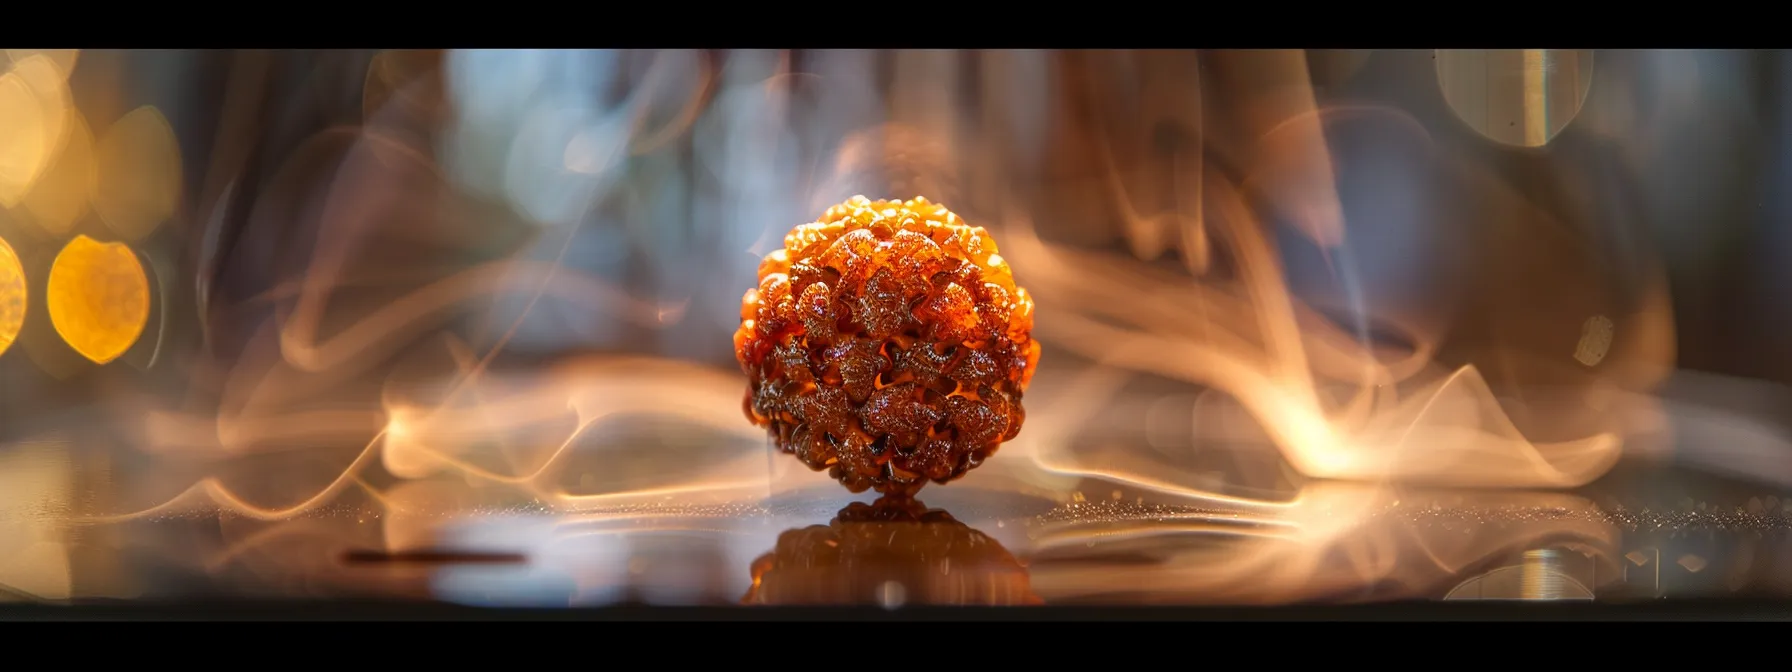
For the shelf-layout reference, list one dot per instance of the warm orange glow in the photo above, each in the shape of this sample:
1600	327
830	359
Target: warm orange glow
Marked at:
34	553
34	106
98	298
139	178
373	398
59	199
65	59
12	296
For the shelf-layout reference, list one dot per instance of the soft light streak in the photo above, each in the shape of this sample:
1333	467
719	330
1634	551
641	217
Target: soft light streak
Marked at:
475	439
1536	97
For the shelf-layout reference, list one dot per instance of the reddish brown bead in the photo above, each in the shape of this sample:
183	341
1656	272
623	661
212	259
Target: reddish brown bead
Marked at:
888	344
854	559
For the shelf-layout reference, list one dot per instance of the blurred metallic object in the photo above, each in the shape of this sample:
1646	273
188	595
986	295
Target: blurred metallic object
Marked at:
1519	97
1508	583
1542	577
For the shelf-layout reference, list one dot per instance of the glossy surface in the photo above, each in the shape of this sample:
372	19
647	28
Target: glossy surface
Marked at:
969	546
888	344
880	553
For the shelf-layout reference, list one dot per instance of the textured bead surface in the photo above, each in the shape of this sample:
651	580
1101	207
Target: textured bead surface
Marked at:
887	343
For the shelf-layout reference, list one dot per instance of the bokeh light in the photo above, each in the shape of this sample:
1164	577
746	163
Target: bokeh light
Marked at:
98	297
65	59
139	178
59	199
1519	97
34	108
12	296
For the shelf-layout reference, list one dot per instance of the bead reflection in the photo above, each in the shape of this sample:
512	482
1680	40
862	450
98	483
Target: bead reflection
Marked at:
892	552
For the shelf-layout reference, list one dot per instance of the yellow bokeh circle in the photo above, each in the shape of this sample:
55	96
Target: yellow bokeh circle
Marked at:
12	296
34	109
98	298
137	177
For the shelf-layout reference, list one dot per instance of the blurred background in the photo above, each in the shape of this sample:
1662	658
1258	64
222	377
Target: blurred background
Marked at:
1378	323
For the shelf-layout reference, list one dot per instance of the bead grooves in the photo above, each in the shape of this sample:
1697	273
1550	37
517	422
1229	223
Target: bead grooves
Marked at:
888	344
